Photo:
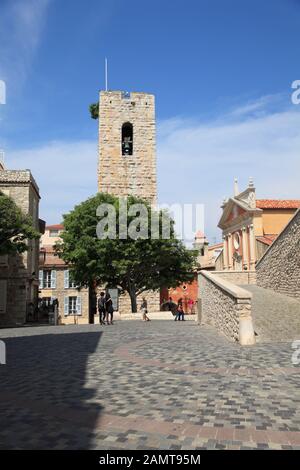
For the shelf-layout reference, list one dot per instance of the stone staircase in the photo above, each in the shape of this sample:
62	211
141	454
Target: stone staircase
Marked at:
276	317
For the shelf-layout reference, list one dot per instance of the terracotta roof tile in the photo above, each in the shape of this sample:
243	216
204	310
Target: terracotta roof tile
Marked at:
277	203
55	227
267	239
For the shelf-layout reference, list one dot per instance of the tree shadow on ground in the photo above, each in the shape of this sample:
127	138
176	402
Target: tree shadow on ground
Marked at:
44	401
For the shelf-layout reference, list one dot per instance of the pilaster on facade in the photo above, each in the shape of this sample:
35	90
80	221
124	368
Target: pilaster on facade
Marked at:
245	248
225	252
230	254
252	243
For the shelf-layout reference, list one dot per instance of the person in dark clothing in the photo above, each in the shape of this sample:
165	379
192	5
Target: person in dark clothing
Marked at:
101	308
109	309
179	313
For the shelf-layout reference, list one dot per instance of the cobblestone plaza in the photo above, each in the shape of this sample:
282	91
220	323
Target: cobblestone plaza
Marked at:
159	385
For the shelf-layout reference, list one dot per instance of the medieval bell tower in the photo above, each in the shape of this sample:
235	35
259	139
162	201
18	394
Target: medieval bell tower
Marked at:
127	157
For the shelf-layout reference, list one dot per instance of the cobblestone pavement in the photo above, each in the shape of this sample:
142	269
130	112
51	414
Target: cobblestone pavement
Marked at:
135	385
276	316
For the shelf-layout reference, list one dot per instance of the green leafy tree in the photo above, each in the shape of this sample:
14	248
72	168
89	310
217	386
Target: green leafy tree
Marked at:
132	265
94	110
15	227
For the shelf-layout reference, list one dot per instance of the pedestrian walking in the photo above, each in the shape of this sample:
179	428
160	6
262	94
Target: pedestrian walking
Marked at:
109	309
101	308
144	308
179	313
191	306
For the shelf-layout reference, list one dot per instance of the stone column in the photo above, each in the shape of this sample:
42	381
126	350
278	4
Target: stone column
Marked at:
225	252
230	261
252	246
245	248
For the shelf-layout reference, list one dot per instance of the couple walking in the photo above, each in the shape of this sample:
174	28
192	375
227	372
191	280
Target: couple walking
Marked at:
105	309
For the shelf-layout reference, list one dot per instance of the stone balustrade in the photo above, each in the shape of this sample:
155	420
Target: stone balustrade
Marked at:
227	307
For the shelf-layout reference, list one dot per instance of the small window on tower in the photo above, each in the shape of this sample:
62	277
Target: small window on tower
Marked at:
127	138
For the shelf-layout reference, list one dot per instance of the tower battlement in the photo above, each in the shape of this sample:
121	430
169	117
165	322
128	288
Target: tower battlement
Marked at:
127	144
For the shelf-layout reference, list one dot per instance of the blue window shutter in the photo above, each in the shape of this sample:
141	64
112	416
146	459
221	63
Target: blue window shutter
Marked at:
78	305
66	305
41	279
66	278
53	279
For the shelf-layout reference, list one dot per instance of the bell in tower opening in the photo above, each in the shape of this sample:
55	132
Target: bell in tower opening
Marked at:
127	138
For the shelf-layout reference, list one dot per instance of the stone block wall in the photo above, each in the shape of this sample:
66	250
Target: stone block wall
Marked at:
21	272
279	268
237	277
15	275
127	174
153	300
226	307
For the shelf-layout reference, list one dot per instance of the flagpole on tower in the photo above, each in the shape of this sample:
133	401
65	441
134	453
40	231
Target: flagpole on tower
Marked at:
106	74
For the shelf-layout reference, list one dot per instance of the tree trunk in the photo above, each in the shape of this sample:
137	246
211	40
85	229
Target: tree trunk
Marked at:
132	295
92	302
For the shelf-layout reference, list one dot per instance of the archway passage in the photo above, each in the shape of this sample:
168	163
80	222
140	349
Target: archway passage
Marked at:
127	139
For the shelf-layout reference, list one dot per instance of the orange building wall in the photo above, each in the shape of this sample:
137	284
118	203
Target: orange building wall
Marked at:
185	291
274	220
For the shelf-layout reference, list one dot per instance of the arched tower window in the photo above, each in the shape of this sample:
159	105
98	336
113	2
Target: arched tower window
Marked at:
127	138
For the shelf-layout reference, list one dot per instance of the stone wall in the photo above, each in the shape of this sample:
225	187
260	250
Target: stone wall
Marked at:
237	277
279	268
226	307
16	278
21	271
153	300
127	174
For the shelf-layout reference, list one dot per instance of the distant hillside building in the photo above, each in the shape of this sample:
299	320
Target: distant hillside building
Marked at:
249	227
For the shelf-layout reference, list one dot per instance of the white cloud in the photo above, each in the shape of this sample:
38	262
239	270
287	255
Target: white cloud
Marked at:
66	173
197	162
21	26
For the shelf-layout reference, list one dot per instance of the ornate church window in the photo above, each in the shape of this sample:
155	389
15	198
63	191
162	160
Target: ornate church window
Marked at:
127	138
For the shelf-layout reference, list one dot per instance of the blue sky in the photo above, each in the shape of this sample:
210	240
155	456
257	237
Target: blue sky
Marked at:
221	71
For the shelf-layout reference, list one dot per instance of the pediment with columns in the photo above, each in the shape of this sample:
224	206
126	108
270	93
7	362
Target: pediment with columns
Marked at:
235	211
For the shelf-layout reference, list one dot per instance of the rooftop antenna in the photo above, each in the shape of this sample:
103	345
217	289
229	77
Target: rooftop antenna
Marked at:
1	159
106	74
236	188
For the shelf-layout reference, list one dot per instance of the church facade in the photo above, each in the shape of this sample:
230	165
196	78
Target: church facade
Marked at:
250	226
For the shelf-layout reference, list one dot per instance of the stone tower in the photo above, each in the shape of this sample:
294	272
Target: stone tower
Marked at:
127	156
